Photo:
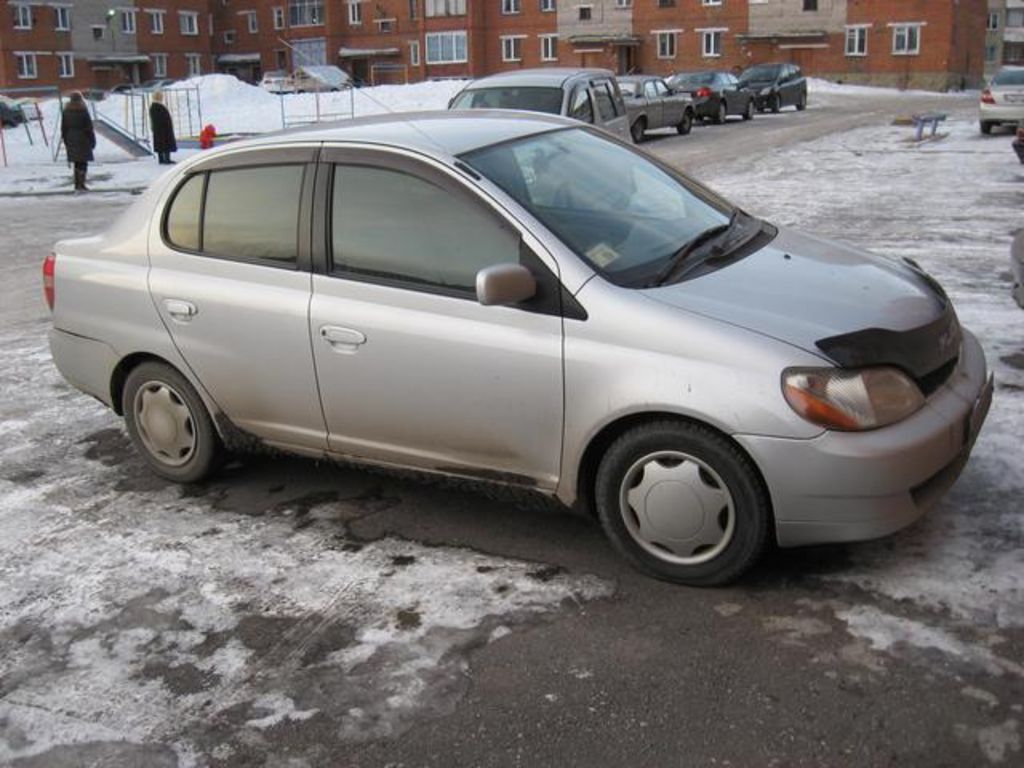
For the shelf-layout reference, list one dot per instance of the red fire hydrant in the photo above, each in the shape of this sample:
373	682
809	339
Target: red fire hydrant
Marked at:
206	136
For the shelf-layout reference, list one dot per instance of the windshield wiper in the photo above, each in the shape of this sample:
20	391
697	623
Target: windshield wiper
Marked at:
679	257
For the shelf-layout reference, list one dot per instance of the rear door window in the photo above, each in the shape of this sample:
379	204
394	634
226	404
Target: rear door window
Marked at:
581	107
182	226
605	102
649	90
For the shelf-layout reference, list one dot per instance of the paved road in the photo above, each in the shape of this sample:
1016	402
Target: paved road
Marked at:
759	674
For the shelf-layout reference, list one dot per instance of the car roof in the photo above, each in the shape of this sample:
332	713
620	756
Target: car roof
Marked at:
543	76
638	78
438	133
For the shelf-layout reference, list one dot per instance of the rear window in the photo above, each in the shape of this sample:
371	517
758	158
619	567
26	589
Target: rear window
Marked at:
761	72
1009	77
547	100
628	89
697	78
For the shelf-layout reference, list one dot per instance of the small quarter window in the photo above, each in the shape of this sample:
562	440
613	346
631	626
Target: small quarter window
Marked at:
581	109
183	218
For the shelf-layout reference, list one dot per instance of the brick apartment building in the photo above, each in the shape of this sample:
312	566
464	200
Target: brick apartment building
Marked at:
1004	26
98	43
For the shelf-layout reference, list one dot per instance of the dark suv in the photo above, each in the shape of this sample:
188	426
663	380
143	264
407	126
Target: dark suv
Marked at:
775	86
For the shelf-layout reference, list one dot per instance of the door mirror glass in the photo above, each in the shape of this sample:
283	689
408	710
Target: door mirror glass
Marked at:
505	284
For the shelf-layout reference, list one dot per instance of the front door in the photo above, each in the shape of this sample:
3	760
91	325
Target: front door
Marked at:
412	369
229	277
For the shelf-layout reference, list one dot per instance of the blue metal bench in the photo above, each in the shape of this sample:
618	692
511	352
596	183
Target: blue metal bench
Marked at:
924	120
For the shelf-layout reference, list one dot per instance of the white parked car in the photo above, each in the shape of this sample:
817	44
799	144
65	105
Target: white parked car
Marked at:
277	81
1002	103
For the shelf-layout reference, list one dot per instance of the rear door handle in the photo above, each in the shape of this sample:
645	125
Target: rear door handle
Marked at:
180	310
342	339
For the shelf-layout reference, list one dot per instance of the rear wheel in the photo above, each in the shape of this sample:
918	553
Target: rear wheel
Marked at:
776	103
682	503
637	130
169	424
722	113
748	113
686	124
986	127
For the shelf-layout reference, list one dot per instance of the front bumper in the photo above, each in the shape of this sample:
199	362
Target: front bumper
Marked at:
854	486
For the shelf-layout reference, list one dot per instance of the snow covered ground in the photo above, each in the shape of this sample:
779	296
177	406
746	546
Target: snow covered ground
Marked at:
134	615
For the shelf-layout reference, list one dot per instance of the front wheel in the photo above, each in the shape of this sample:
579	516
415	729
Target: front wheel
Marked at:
682	503
986	127
169	424
748	113
686	124
776	103
637	130
722	113
801	103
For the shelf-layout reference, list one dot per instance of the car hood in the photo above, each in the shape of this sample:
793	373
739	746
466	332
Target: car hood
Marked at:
848	306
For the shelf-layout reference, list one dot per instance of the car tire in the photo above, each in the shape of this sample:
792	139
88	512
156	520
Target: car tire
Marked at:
722	113
776	103
748	113
637	130
712	506
169	424
801	103
686	124
986	127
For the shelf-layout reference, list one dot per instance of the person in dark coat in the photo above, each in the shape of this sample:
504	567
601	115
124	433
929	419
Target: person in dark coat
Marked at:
78	136
163	130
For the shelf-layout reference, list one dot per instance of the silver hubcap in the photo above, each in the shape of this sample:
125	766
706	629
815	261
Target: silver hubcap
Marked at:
677	508
164	423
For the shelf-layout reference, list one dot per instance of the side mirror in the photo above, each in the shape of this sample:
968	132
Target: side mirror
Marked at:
504	284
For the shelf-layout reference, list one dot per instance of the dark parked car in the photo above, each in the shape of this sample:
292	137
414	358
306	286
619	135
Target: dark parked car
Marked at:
716	95
10	113
651	104
775	86
589	95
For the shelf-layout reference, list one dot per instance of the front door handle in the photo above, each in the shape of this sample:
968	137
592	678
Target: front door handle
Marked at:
342	339
180	310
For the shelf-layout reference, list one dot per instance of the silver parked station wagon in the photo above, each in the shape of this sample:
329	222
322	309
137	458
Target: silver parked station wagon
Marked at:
524	300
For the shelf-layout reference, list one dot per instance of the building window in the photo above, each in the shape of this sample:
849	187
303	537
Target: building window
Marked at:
414	53
355	13
188	22
97	32
666	3
278	17
990	52
856	41
511	48
195	64
385	26
22	18
128	22
1015	17
252	22
281	58
413	8
159	64
510	7
305	13
906	39
445	8
62	19
156	22
26	65
446	48
623	3
586	12
65	65
549	47
810	5
547	6
229	37
993	21
710	2
667	45
711	43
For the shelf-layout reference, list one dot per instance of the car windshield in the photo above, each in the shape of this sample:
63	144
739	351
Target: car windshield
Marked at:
760	72
532	99
697	78
618	210
1009	77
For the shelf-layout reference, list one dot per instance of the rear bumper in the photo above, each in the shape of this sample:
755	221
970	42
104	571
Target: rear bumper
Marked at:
86	363
1001	113
843	486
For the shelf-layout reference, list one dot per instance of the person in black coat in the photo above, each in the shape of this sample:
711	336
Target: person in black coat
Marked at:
78	137
163	130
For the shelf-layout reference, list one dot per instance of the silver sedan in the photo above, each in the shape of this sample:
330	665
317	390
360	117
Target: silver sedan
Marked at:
526	301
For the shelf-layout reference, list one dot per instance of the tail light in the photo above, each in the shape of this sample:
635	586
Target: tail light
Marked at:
986	97
49	271
703	92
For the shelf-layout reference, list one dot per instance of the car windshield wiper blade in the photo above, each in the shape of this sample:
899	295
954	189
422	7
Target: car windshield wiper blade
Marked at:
679	257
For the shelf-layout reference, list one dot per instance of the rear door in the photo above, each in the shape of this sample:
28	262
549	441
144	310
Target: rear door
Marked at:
655	108
412	369
609	110
229	276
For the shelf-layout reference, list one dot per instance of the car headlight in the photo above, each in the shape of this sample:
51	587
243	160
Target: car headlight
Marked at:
851	400
766	91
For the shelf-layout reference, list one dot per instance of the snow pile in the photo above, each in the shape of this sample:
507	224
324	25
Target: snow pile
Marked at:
818	86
